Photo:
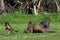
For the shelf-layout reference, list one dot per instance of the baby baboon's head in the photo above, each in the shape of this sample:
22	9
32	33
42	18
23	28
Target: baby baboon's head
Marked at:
6	23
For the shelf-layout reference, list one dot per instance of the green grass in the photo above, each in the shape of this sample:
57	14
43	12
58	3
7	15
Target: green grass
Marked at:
20	21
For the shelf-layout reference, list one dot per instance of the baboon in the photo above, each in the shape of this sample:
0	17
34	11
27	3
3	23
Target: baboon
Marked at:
45	24
9	28
32	28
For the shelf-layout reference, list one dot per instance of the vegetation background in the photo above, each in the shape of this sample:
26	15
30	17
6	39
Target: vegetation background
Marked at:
20	21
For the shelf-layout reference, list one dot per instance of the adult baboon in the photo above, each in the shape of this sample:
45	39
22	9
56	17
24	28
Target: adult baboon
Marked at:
45	24
9	28
34	28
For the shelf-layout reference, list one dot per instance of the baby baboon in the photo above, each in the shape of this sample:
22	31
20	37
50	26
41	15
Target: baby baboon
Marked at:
32	28
9	28
46	25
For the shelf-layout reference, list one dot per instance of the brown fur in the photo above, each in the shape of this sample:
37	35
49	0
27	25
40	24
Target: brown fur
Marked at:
34	27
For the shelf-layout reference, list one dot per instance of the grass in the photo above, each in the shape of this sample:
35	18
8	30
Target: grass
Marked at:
20	21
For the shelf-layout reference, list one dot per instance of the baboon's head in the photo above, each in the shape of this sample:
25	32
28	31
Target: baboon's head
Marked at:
6	23
30	22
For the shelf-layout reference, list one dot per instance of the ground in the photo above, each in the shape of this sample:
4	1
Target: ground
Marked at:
20	21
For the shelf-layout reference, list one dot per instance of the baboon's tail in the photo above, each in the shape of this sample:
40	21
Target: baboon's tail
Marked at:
52	31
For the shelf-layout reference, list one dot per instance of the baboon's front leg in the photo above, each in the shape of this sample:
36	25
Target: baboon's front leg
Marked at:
47	29
43	30
30	30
